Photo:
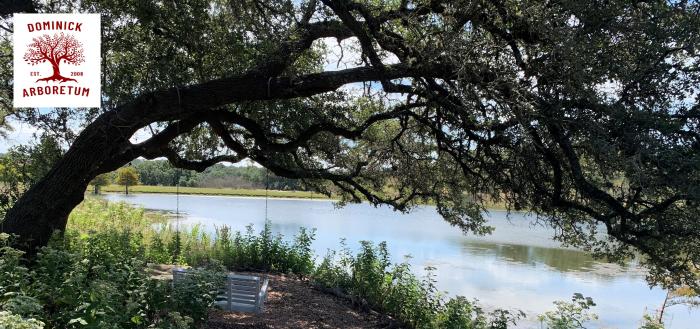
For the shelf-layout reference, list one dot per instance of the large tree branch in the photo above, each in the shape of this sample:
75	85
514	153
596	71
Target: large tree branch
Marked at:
175	103
198	165
158	146
9	7
300	39
152	147
259	133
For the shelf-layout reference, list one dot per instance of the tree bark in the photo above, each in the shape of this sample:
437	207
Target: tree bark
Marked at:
44	207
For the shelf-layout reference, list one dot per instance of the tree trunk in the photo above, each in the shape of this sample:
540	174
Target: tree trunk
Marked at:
126	189
96	190
663	308
45	206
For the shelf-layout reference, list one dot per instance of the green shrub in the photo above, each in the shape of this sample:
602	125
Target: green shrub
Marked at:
174	320
371	280
299	258
22	305
651	322
14	321
96	280
331	274
13	273
158	252
196	292
569	315
460	313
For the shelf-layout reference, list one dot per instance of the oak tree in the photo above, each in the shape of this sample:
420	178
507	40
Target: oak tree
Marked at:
586	115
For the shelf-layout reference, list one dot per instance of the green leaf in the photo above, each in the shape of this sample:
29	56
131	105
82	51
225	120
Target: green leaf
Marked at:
79	320
137	319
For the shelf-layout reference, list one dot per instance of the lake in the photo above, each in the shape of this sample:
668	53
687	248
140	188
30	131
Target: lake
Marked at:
519	266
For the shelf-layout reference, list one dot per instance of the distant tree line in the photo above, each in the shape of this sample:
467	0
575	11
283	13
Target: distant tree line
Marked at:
160	172
22	166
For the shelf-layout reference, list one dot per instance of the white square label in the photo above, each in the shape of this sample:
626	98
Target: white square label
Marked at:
57	60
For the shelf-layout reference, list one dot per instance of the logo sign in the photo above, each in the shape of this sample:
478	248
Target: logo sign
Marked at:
57	60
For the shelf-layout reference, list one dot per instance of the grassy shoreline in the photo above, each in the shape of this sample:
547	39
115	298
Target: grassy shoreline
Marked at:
214	191
236	192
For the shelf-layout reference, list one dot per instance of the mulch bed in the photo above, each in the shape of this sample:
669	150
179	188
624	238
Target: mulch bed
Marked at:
294	303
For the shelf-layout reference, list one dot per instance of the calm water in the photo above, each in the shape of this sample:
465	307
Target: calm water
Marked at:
517	267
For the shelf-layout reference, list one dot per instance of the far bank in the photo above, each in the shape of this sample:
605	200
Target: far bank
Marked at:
241	192
213	191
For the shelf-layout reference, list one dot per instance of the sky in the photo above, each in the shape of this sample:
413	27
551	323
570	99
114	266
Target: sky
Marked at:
22	134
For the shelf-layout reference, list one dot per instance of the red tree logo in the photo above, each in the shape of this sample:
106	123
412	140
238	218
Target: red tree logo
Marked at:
56	49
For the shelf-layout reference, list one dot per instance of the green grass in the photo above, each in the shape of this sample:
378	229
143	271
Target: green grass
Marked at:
214	191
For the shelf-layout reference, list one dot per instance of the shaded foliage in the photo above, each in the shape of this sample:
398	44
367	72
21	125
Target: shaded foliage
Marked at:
97	281
22	166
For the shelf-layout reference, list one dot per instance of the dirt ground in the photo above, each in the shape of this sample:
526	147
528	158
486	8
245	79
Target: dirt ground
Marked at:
293	303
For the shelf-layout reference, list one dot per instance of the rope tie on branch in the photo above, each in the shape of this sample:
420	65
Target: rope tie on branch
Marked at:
176	252
179	100
268	86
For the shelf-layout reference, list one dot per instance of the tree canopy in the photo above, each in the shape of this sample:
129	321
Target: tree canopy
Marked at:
584	113
127	176
101	180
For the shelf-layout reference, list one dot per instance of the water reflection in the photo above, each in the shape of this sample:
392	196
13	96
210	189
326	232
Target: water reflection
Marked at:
562	260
